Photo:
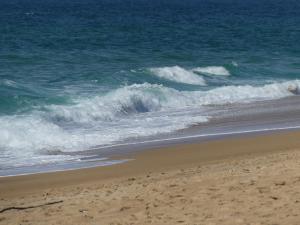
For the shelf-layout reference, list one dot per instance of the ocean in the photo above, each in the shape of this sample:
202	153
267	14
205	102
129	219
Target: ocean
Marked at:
76	75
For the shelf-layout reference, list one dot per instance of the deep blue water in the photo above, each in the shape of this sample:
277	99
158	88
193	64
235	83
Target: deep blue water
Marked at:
76	74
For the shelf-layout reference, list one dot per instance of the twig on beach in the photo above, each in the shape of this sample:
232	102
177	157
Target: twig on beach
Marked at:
29	207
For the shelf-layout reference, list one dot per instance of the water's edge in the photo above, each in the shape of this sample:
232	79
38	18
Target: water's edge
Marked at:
237	121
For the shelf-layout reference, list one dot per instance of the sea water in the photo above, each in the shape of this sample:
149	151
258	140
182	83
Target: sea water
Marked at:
77	74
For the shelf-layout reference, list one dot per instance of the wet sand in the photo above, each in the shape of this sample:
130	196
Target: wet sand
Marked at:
244	180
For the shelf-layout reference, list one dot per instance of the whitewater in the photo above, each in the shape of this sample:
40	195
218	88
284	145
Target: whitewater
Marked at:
79	76
46	133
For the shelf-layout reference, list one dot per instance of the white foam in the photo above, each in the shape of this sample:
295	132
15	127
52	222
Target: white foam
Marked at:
128	112
246	93
127	100
24	141
212	70
178	74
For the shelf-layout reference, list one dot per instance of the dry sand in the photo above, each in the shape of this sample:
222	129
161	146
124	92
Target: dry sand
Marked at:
246	180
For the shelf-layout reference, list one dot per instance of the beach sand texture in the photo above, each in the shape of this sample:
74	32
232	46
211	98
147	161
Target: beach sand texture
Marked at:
246	180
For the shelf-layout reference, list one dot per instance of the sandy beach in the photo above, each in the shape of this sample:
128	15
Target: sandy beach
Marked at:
163	112
241	180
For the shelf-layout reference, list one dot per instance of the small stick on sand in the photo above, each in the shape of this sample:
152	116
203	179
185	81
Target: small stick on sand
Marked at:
29	207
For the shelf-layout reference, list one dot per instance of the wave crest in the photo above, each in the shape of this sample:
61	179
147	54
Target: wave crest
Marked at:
178	74
137	98
213	70
142	98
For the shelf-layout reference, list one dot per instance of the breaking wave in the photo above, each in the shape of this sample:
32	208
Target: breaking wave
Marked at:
128	112
178	74
143	98
188	76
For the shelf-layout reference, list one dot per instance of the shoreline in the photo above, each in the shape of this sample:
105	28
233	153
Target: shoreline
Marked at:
139	162
237	180
226	121
151	144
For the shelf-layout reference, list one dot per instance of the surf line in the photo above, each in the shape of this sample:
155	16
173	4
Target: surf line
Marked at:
200	135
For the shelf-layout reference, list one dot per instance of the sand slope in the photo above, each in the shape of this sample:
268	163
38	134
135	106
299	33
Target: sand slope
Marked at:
247	189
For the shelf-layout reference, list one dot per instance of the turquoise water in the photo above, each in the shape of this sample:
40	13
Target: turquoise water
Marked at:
79	74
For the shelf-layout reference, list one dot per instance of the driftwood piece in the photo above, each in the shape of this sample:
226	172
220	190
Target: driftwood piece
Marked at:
29	207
